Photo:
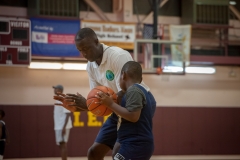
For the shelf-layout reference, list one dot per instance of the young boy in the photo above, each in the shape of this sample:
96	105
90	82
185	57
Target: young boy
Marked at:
4	138
135	115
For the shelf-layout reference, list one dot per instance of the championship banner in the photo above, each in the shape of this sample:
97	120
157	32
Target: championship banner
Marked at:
180	33
113	34
54	37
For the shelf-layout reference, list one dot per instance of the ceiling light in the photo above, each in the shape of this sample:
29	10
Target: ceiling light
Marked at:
197	70
232	2
201	70
75	66
55	65
45	65
172	69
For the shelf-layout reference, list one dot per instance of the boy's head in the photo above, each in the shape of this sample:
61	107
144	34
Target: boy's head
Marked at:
2	113
131	72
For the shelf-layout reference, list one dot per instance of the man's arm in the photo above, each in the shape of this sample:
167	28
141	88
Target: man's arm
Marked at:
76	102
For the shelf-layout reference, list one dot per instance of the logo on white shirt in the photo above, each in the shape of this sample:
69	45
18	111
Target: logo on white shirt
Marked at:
109	75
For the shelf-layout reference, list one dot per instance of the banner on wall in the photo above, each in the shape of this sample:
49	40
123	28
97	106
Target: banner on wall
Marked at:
54	37
113	34
180	33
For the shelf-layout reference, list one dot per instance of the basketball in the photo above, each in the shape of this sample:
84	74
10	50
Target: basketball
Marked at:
99	109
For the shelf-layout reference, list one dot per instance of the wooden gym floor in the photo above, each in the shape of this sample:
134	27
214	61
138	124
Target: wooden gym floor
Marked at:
187	157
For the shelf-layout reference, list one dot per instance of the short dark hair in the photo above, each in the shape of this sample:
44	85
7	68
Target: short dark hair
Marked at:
2	113
133	69
85	32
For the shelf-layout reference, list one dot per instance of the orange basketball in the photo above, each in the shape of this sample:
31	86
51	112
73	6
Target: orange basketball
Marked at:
99	109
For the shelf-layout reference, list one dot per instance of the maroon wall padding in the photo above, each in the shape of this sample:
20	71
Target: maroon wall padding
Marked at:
177	131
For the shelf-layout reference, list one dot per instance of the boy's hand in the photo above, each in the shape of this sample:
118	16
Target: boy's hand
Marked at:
104	99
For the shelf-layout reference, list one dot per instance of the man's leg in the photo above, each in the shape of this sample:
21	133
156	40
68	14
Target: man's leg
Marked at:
97	151
105	139
63	148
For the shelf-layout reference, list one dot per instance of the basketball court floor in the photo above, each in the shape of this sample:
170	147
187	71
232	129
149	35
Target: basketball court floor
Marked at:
187	157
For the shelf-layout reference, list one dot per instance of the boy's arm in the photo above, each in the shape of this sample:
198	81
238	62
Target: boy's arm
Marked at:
131	113
135	100
124	113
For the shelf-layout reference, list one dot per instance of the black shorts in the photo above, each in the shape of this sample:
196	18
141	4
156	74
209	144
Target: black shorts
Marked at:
108	132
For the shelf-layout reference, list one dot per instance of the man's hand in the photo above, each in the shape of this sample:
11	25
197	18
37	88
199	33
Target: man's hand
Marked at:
77	101
61	97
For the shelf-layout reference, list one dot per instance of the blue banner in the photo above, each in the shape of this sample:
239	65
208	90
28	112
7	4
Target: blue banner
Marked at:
54	37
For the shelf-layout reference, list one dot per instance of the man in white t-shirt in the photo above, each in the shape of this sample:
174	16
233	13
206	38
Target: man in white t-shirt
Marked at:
104	68
62	124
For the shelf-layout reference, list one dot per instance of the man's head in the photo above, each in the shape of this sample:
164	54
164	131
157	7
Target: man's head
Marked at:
87	43
131	72
58	89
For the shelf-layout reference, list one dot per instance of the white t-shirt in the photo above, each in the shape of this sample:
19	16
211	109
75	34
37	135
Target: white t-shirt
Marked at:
109	71
60	116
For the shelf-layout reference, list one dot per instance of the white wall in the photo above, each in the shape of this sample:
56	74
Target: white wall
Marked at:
23	86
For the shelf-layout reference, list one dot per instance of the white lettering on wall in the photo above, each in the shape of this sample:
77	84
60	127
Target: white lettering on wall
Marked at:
17	43
23	50
19	24
3	49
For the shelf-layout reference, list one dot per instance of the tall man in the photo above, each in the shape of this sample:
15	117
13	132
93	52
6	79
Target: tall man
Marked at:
104	68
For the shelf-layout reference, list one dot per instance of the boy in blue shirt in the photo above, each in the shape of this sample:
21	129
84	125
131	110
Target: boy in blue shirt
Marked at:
135	115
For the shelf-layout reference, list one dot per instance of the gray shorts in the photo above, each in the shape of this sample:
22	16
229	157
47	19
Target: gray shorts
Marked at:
60	138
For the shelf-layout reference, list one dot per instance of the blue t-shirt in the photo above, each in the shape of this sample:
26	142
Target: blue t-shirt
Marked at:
137	98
